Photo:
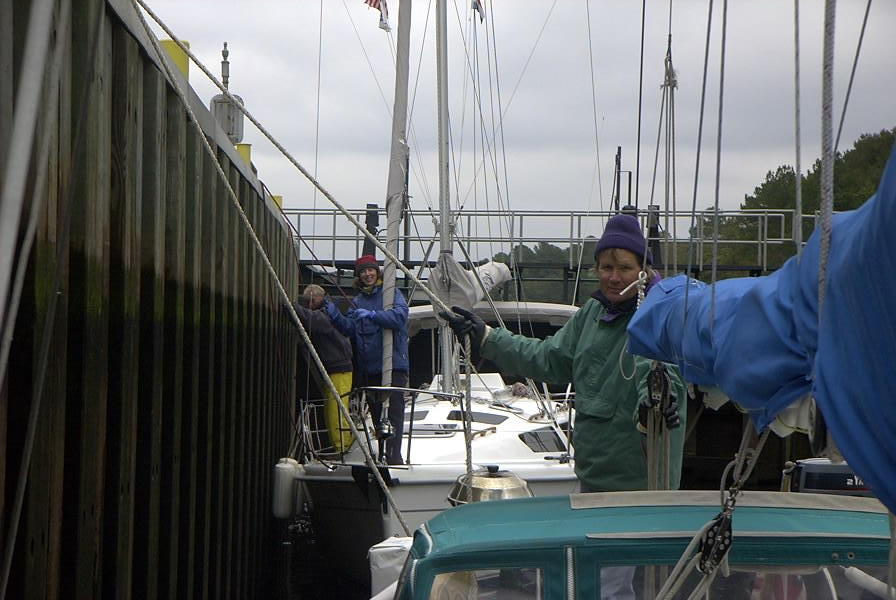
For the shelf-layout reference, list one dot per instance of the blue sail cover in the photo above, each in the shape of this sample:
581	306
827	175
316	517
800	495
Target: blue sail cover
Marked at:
762	343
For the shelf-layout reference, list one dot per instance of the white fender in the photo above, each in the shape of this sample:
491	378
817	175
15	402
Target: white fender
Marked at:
283	501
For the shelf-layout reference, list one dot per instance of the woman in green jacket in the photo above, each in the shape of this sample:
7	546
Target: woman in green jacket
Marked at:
590	351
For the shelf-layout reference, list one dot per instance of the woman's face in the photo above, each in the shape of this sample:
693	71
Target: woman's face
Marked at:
617	269
368	275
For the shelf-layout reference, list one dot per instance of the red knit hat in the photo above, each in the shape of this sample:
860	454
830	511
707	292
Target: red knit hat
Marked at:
368	260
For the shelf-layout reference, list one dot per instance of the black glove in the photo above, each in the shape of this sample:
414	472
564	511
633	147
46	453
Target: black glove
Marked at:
670	414
463	323
657	389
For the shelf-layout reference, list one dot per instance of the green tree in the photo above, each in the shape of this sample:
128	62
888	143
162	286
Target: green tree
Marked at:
856	175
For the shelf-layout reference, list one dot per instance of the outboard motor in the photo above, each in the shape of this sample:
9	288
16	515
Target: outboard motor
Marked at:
821	476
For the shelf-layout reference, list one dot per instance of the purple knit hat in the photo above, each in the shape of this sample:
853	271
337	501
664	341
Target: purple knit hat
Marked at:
623	231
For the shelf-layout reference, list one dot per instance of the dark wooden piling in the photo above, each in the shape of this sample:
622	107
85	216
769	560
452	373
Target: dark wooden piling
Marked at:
168	385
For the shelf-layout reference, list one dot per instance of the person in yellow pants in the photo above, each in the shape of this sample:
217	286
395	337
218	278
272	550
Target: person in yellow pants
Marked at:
340	434
335	351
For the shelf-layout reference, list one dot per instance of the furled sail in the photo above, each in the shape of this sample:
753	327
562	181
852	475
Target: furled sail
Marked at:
762	343
463	287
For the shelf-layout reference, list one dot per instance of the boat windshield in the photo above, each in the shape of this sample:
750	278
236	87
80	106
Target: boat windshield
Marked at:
510	583
746	583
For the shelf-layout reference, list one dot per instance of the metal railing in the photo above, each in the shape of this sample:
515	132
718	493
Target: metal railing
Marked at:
328	238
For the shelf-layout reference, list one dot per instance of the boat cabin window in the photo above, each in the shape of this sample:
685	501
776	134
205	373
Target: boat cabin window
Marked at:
418	415
478	417
543	440
746	583
510	583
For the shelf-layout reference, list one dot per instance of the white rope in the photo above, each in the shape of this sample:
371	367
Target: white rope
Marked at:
270	268
827	152
743	464
354	221
21	139
50	110
798	177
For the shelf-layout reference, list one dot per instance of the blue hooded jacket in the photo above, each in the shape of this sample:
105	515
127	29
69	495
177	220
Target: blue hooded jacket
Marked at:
367	334
761	341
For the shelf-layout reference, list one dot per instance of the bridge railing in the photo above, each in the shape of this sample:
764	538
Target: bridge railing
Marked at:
326	237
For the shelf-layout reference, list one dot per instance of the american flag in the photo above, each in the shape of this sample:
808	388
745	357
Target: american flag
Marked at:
380	5
477	6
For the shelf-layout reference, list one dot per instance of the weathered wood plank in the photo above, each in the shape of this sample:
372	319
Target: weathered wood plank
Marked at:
244	362
90	302
175	156
267	374
222	334
58	181
208	391
152	335
163	388
124	361
192	333
255	464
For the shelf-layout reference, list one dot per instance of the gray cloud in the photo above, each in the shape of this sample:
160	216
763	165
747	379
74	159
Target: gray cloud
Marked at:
549	124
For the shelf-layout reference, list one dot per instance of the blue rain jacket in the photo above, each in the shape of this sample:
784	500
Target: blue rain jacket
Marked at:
367	334
762	343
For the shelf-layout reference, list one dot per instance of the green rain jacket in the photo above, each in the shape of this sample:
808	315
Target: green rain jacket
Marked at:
586	351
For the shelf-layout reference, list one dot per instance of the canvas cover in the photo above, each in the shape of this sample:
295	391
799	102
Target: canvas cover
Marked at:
464	290
762	343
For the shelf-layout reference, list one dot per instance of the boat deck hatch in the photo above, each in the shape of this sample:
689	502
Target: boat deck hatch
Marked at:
478	417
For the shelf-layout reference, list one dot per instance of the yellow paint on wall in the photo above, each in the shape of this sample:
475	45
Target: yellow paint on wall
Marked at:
179	57
278	200
245	151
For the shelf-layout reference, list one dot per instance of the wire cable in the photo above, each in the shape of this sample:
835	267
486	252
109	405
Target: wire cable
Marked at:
640	96
852	75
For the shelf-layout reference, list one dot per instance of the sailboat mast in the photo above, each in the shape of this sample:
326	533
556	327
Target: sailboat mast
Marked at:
446	339
397	182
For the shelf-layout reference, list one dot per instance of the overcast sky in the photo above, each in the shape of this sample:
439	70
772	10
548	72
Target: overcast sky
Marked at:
340	128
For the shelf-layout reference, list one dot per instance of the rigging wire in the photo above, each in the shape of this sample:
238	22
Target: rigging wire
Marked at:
595	172
670	156
366	57
697	156
500	125
640	96
427	193
852	76
715	218
320	38
528	59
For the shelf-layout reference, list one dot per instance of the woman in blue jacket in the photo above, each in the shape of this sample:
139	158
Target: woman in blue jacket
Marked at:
364	325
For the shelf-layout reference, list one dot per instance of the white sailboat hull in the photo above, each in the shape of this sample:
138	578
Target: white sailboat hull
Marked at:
350	512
